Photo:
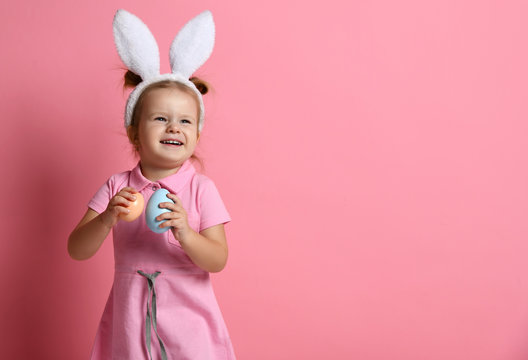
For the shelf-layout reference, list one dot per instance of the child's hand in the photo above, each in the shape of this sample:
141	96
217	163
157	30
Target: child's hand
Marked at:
118	205
176	218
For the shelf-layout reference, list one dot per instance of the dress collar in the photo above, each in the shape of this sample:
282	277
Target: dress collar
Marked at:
174	182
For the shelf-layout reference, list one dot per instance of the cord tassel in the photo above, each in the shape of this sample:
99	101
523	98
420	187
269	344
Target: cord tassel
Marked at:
151	321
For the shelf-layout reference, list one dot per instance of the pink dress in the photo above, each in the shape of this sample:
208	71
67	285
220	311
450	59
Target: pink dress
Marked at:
161	305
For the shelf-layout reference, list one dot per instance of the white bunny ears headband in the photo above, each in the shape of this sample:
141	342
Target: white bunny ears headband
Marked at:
138	50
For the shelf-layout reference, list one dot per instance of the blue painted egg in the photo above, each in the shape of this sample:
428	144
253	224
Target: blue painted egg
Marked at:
153	210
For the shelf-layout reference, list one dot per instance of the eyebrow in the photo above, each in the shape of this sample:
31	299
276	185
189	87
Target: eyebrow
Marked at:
166	114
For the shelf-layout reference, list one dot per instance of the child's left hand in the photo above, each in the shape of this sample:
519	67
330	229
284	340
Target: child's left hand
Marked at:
176	218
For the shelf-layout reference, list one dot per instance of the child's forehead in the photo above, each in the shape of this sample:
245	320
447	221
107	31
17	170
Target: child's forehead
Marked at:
169	98
169	95
167	91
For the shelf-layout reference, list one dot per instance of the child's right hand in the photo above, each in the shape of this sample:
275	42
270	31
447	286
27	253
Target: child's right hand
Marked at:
118	205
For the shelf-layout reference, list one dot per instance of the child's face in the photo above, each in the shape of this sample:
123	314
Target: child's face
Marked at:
168	115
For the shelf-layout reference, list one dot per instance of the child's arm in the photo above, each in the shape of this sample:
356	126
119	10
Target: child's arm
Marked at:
207	249
92	230
88	236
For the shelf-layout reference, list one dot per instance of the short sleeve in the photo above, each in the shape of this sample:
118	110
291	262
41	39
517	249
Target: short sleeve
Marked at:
212	208
102	197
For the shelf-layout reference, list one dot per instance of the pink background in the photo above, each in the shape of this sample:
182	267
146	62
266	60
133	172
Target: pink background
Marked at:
371	153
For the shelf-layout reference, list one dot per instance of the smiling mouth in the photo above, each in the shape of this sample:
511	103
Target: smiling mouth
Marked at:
171	142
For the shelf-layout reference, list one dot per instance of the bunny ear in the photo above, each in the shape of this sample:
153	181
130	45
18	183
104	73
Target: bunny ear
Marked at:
193	45
135	44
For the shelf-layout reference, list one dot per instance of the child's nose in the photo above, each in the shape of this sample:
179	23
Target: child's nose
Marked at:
172	126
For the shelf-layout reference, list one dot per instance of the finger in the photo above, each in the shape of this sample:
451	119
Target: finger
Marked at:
169	216
130	190
128	194
175	223
164	224
170	206
128	197
119	200
175	198
177	202
118	210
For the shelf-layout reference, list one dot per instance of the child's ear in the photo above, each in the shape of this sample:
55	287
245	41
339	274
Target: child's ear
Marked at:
132	135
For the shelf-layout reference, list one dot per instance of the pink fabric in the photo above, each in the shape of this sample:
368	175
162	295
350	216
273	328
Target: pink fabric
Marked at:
189	320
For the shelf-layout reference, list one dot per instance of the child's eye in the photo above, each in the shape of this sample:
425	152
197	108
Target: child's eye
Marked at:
186	121
160	118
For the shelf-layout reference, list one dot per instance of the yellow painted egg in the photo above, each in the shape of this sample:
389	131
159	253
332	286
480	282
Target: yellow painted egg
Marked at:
136	208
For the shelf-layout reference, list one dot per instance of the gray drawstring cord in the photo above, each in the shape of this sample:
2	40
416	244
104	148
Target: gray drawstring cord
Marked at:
152	321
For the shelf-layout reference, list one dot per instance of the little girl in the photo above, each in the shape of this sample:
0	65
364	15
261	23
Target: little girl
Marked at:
162	303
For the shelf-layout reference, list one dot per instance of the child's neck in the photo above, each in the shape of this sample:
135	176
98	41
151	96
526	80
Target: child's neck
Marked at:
155	173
